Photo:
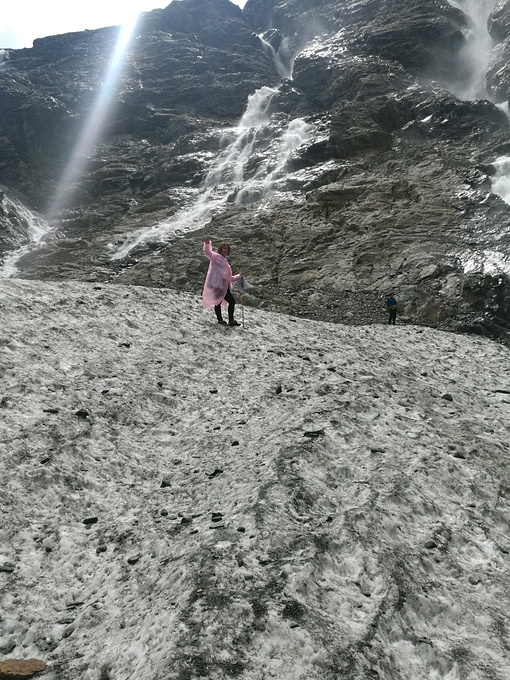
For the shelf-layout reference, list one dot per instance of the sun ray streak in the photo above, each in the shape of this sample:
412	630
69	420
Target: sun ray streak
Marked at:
95	123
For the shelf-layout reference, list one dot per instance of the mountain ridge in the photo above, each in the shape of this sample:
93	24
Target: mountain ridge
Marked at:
390	182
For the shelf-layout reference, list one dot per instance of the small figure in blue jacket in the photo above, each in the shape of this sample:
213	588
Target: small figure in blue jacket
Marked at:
391	304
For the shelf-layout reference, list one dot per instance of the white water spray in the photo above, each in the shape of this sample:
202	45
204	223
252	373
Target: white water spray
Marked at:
4	58
36	226
476	53
503	106
232	162
283	58
490	261
296	134
231	177
501	179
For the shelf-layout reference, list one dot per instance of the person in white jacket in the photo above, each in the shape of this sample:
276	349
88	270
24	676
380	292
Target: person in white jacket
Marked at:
217	284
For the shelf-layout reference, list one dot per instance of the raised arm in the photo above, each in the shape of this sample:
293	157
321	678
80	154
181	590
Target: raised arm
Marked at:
208	251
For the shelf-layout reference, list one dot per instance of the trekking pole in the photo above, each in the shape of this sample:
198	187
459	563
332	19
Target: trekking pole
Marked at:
241	297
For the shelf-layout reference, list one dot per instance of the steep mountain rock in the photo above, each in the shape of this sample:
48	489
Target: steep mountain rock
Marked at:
388	190
14	230
421	36
498	74
499	21
171	86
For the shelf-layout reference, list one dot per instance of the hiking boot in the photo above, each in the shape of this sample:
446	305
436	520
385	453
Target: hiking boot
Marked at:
234	323
222	322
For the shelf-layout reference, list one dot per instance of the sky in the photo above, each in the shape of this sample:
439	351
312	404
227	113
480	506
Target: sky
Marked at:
22	22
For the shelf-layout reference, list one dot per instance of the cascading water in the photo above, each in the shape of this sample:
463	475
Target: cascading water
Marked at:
476	56
501	180
283	57
476	52
33	223
297	133
239	174
496	260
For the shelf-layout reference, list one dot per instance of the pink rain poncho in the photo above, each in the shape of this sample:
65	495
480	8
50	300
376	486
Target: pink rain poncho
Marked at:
219	277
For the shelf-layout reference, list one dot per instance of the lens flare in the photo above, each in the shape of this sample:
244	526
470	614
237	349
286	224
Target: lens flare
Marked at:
96	121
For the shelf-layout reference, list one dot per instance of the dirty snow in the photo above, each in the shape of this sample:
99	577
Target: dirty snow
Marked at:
287	500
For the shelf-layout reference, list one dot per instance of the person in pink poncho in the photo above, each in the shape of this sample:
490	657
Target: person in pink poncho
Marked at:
217	282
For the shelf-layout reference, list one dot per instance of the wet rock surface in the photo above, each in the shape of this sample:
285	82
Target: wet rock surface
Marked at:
13	228
389	190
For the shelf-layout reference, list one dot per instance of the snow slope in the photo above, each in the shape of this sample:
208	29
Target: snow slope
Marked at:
289	500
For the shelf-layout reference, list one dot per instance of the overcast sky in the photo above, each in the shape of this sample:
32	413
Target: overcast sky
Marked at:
22	22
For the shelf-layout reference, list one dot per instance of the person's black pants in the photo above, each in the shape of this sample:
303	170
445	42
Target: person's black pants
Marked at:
231	304
393	315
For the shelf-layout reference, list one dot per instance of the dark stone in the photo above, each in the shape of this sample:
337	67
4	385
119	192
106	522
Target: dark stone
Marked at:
75	603
293	610
313	434
498	24
90	520
7	647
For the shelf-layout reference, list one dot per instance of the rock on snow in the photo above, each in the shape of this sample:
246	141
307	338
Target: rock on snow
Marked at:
289	500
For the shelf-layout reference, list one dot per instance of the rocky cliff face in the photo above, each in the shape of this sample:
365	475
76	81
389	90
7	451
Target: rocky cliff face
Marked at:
361	165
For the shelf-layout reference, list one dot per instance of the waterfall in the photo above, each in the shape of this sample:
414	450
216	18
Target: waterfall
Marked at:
37	228
493	260
252	158
476	57
231	163
501	179
283	57
263	182
476	53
